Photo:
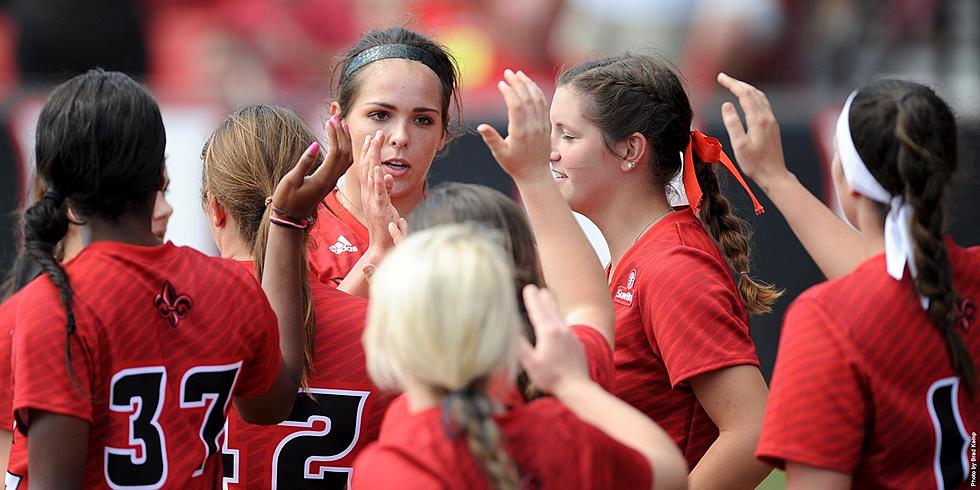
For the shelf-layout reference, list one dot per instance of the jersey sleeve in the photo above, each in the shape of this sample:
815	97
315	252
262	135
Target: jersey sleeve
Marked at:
598	354
264	361
693	316
40	371
817	406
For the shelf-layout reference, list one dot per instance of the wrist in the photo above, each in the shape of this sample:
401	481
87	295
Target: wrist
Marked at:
570	387
773	183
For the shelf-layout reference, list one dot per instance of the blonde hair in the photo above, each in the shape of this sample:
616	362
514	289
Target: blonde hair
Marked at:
444	313
244	160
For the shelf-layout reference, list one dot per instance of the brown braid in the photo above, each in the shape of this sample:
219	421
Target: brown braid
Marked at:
906	135
728	230
468	413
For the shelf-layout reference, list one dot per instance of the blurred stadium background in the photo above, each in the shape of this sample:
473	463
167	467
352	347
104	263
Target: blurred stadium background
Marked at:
203	58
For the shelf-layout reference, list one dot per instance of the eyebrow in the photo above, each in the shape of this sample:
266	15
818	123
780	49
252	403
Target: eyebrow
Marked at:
392	107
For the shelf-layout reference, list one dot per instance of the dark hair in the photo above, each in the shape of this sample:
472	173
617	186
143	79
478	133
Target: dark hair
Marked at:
24	270
454	202
643	94
906	135
244	159
445	68
99	149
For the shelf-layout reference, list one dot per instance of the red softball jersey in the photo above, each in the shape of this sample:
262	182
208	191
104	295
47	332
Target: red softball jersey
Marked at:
8	311
863	383
551	447
337	241
342	412
678	315
165	337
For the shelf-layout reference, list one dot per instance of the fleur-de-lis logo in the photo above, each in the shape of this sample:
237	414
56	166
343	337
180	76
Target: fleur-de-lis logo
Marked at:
967	312
172	306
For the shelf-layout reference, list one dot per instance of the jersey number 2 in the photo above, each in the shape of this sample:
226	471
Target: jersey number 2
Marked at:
141	392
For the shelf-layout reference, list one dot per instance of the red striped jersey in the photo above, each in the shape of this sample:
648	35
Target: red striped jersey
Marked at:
678	315
337	241
551	447
316	445
863	383
8	311
165	337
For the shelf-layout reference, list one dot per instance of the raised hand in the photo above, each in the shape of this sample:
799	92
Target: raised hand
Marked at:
758	147
299	192
558	357
524	153
375	201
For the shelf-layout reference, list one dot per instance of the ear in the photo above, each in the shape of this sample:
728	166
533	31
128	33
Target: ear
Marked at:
636	151
334	108
216	213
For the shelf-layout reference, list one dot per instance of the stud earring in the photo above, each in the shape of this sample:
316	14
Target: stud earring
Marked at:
630	164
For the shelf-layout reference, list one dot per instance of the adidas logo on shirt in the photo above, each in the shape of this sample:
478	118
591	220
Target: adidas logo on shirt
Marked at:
342	245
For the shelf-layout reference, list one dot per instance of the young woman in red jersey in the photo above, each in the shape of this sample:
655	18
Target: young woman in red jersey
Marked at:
22	272
404	84
125	359
338	410
875	382
683	351
448	335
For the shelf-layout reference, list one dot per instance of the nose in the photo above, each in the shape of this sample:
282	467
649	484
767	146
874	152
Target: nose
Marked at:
399	137
554	156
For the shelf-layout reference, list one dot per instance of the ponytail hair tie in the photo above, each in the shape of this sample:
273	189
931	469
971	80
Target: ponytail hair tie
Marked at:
53	196
709	150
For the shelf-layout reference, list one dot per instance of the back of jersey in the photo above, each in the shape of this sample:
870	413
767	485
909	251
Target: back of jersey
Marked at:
165	338
316	445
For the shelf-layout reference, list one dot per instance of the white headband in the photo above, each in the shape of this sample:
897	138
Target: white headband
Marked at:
899	246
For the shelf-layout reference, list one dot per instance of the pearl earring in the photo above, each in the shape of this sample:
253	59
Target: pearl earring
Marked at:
630	164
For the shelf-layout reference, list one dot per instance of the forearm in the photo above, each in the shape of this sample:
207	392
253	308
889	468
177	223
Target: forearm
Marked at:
730	463
571	268
282	283
833	244
628	426
6	441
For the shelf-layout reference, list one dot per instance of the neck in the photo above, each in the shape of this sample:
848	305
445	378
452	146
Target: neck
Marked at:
350	197
420	396
128	228
869	224
625	216
230	244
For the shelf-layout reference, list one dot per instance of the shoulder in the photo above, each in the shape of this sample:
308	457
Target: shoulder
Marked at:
380	466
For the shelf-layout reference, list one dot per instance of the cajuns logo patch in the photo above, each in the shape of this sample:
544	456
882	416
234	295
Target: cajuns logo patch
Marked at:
624	294
172	306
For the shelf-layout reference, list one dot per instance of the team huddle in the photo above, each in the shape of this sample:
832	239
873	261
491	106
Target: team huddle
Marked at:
378	333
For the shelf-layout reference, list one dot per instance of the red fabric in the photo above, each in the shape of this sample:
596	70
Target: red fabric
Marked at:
8	310
850	391
709	150
679	316
337	241
213	314
551	447
598	354
348	398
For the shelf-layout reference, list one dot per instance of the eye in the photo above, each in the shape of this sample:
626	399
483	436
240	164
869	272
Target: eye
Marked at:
566	136
379	115
424	120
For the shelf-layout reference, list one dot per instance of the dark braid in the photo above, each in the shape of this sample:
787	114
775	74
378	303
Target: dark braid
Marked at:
906	135
729	230
629	94
45	224
468	413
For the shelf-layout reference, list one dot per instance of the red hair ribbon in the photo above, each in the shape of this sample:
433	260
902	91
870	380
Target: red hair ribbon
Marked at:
709	149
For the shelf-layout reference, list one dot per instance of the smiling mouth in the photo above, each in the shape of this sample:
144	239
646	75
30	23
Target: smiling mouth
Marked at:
558	175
